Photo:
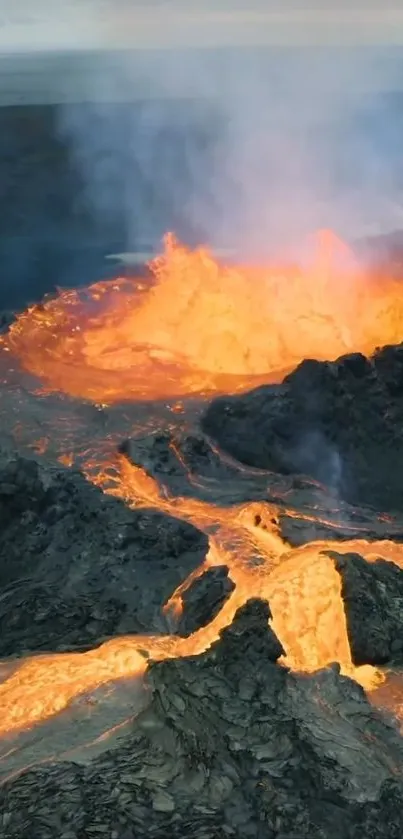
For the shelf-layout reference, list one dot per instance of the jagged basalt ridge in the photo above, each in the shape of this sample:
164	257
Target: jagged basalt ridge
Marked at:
373	603
75	564
185	463
204	598
176	455
231	744
339	422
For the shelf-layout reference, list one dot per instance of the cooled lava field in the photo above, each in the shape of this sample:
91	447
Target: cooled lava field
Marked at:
201	560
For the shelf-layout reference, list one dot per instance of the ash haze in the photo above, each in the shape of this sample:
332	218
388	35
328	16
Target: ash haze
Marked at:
247	126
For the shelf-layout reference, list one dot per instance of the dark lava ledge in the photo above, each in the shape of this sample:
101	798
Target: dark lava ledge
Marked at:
339	422
372	594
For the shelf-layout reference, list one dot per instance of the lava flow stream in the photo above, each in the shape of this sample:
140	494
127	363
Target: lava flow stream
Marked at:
234	326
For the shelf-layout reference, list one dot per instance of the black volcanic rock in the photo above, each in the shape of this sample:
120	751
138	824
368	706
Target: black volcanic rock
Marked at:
173	458
232	744
186	464
339	422
248	636
204	598
174	455
373	602
77	566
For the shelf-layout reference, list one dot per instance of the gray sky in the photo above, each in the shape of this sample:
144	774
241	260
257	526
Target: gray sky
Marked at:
48	24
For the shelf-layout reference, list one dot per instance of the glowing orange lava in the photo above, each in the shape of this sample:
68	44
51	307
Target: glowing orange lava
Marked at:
204	327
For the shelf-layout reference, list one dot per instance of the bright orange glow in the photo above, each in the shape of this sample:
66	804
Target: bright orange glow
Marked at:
205	327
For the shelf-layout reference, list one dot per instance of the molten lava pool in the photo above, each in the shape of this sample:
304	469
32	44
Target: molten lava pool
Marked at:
200	327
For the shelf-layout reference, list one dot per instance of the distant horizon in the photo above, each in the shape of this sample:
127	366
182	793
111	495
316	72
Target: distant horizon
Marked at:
55	76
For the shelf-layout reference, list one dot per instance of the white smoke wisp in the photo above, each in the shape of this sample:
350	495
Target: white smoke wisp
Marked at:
315	455
253	145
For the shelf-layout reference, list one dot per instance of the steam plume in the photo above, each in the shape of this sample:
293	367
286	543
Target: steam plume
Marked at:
251	147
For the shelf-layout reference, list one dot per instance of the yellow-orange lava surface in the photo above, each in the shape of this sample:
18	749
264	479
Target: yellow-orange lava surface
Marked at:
201	327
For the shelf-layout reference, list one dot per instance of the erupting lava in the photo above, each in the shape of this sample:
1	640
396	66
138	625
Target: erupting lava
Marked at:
204	327
201	327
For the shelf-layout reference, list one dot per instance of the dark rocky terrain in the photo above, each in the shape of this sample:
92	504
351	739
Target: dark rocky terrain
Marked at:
204	598
232	744
184	463
77	566
339	422
373	602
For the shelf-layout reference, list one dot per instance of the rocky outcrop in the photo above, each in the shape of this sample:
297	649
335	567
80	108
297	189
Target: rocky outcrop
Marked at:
185	463
204	598
373	602
232	744
339	422
77	566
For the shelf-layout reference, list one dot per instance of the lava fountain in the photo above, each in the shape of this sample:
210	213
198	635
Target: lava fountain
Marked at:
202	327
